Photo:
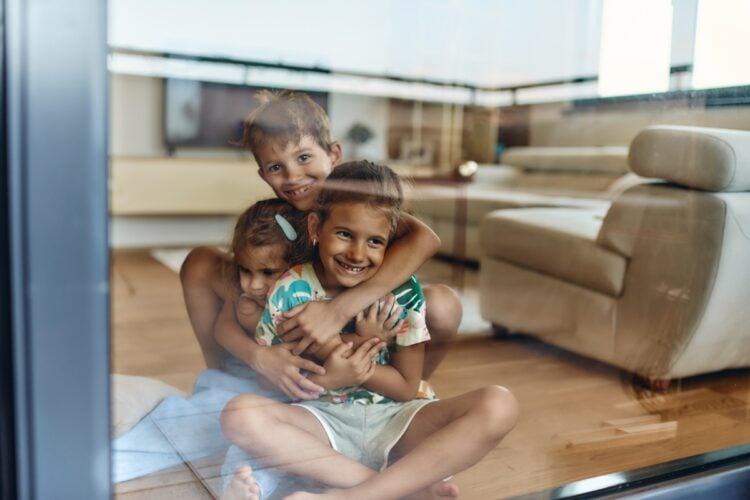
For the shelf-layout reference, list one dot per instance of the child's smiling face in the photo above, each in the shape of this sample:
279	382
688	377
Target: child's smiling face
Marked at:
296	171
351	244
259	268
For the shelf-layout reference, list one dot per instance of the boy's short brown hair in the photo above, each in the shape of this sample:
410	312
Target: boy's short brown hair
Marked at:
286	117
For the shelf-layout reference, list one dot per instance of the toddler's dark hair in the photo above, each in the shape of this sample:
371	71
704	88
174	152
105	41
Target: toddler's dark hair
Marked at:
257	226
285	117
362	182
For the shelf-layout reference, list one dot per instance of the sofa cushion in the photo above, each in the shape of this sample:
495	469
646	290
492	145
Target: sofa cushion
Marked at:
442	202
611	159
560	242
711	159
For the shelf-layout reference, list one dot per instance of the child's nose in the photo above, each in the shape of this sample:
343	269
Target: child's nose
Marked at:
356	253
257	283
293	172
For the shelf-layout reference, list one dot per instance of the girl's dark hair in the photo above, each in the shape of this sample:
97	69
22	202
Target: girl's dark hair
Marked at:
362	182
257	226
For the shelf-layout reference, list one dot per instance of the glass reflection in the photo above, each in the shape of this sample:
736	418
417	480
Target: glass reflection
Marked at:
592	255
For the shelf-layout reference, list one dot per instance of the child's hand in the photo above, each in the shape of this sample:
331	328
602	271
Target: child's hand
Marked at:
382	319
345	368
312	324
283	369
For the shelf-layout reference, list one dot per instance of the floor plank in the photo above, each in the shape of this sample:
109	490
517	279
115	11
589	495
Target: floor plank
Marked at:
579	418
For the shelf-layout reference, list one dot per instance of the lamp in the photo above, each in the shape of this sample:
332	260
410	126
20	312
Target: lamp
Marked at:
467	169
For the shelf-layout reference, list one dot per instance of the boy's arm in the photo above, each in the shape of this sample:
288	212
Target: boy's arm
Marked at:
276	363
399	380
318	322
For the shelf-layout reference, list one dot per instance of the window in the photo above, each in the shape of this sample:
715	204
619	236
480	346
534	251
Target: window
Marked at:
635	47
721	40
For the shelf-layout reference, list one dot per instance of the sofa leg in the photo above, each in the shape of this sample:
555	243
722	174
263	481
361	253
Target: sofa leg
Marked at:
655	384
500	332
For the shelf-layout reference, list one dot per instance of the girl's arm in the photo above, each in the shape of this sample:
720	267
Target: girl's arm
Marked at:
276	363
345	368
318	322
399	380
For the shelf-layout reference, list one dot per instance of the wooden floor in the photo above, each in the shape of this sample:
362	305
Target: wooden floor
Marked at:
578	419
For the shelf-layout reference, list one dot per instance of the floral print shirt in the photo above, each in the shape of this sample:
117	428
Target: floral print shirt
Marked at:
300	284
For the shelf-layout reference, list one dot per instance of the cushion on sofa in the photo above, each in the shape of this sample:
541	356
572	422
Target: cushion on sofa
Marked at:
557	241
611	159
710	159
479	203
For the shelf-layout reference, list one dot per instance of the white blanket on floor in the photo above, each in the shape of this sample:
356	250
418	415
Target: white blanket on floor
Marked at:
182	430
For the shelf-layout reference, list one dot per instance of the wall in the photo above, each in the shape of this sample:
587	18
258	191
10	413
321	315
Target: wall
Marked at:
161	201
135	116
156	231
562	125
137	108
345	110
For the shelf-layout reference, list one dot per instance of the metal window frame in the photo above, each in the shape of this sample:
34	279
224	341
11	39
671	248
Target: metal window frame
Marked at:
55	87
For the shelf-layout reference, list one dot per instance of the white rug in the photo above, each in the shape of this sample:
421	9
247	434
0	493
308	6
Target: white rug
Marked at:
472	322
171	257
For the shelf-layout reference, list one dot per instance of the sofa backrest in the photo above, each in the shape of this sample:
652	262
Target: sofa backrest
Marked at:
709	159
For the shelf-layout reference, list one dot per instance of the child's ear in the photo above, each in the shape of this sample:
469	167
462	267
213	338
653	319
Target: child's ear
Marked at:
336	153
313	224
262	175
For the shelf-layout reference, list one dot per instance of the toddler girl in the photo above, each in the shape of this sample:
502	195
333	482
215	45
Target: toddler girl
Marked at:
268	238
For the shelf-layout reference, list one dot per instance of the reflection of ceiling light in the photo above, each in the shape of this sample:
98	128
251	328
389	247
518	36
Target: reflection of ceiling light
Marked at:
163	67
241	74
556	93
493	98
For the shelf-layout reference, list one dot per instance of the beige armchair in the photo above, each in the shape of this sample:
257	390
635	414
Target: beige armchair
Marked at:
659	285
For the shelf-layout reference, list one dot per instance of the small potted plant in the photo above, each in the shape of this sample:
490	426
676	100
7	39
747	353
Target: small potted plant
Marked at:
358	135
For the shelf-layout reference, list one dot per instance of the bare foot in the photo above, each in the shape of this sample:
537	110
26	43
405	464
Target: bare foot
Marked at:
443	489
242	486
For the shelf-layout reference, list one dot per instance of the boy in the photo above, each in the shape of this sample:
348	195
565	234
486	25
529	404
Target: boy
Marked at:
290	137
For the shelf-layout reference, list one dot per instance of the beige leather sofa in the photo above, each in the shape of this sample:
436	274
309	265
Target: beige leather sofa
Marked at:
659	284
587	177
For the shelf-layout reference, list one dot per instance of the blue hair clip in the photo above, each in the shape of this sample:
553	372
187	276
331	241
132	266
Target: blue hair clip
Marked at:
287	228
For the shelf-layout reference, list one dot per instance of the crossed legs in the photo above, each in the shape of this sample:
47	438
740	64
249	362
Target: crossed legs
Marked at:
290	439
445	437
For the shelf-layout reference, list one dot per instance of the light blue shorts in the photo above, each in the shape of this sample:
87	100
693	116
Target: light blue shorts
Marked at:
365	432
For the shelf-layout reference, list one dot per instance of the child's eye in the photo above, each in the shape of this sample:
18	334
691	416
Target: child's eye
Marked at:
269	273
303	158
343	234
376	242
243	270
273	168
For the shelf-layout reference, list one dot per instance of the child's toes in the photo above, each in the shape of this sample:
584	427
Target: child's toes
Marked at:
244	473
242	486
